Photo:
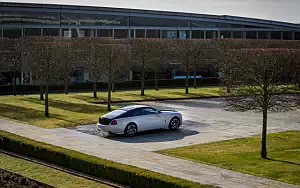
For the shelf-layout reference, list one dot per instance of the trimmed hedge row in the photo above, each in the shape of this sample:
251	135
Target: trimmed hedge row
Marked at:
124	174
75	87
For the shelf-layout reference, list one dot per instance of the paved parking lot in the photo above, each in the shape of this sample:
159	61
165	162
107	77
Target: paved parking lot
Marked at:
204	121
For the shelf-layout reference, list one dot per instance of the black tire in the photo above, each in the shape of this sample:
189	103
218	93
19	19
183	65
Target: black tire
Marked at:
174	124
131	130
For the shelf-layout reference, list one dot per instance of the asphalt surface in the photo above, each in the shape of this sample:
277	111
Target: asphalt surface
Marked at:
203	121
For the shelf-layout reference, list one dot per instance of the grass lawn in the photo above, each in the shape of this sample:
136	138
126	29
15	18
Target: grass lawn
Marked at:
45	174
79	108
135	95
243	155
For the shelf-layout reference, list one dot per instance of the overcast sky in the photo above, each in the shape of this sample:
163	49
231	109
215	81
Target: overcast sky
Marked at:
281	10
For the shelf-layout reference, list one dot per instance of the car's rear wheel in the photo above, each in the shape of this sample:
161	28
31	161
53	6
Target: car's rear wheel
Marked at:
174	123
130	130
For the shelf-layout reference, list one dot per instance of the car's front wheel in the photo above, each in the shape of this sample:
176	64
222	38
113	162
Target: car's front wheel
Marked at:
174	124
130	130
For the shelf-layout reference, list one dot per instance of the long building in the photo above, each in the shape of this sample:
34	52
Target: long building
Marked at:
28	19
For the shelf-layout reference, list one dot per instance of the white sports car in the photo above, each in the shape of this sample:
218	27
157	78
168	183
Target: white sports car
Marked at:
132	119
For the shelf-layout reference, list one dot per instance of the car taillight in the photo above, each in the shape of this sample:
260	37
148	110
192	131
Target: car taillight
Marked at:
114	122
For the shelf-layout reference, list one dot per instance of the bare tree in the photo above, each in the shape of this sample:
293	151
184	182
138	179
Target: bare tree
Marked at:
160	52
113	60
87	57
203	56
256	84
66	58
45	64
12	55
186	53
142	55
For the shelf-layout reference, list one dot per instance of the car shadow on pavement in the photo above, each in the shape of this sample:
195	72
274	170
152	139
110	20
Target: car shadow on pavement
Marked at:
160	135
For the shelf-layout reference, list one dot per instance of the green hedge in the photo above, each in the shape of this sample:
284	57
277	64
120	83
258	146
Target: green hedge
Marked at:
101	86
124	174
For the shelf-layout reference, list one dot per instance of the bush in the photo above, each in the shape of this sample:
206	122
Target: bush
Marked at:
124	174
101	86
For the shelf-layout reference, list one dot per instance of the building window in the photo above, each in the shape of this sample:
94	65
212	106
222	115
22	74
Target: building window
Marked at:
101	20
69	19
50	18
297	35
203	24
238	34
183	34
87	32
11	17
52	32
251	34
263	35
32	32
12	33
225	34
32	18
153	33
104	33
197	34
140	33
211	34
275	35
121	33
287	35
69	32
169	34
228	25
158	22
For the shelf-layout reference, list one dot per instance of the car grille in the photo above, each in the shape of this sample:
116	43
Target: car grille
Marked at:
104	121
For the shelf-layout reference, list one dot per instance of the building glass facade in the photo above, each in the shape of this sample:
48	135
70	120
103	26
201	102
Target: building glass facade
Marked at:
24	19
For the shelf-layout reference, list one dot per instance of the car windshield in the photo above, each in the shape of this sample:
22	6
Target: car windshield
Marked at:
115	113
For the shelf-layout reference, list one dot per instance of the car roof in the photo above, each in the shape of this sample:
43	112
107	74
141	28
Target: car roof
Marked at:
132	107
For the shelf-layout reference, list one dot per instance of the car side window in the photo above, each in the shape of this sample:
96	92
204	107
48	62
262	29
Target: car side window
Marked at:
149	111
132	113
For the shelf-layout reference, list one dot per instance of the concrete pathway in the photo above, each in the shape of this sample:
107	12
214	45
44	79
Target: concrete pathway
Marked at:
119	152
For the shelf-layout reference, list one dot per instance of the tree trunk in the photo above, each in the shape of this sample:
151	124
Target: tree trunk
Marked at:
109	87
113	87
186	79
66	86
109	96
95	89
156	81
41	92
46	101
228	88
263	153
143	83
14	84
195	78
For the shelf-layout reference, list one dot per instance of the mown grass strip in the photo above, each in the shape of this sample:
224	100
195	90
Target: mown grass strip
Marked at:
242	155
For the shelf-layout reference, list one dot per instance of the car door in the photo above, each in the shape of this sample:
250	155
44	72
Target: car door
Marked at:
134	116
151	119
